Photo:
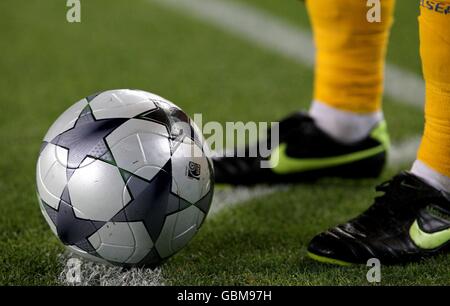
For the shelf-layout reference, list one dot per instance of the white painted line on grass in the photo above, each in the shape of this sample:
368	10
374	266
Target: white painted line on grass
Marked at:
285	39
94	274
227	198
403	153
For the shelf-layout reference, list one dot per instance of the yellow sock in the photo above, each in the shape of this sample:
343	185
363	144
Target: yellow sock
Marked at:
350	53
435	52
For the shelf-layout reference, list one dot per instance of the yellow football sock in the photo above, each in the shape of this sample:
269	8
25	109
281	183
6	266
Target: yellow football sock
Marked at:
350	53
435	53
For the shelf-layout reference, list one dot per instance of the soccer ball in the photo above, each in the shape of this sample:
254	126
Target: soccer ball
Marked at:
123	177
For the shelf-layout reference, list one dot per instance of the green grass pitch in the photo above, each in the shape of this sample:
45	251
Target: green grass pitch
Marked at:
47	64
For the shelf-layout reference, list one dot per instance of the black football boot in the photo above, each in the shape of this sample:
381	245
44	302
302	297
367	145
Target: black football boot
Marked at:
305	152
409	222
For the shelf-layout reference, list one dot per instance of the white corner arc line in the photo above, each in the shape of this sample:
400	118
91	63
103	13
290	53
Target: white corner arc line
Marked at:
403	152
276	35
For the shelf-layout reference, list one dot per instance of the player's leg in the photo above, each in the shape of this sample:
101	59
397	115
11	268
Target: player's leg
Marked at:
344	133
412	219
433	161
349	67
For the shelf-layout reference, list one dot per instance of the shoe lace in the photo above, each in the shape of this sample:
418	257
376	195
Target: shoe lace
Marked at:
397	202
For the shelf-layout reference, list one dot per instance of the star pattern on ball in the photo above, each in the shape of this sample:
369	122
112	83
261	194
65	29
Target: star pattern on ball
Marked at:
151	201
71	229
87	138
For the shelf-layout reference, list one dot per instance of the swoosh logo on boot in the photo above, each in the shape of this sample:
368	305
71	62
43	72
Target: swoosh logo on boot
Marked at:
283	164
428	241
